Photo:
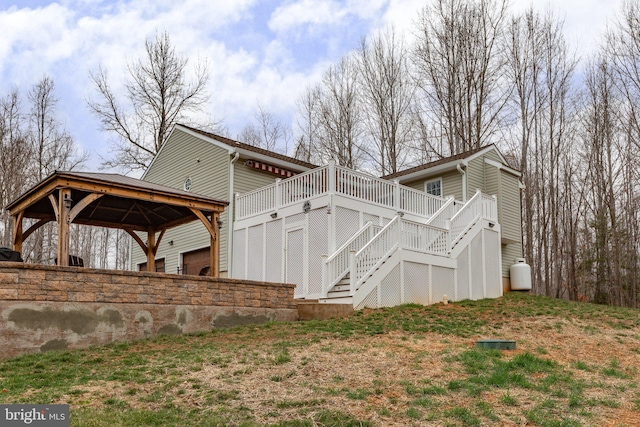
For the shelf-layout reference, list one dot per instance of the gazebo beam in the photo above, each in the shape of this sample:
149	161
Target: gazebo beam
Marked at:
34	227
137	238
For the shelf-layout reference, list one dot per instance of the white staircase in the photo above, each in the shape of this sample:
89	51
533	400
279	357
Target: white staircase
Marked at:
365	260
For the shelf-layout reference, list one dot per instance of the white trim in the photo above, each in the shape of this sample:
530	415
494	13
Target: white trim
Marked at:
432	181
230	212
503	167
157	259
451	165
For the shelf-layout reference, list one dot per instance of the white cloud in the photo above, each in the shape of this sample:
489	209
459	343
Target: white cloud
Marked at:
306	12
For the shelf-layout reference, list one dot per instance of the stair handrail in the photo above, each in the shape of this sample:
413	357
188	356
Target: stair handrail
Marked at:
466	217
427	238
336	266
361	266
439	218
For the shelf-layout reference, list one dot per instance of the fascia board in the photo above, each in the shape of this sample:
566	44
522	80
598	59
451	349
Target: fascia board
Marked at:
503	167
271	160
446	167
215	142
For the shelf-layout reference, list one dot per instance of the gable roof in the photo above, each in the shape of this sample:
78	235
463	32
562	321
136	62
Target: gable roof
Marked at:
445	163
248	148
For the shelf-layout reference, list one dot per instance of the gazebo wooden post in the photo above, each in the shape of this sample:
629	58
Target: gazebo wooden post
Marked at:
64	194
214	253
17	232
151	250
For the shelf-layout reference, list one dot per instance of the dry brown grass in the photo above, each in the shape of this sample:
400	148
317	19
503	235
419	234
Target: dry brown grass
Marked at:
275	375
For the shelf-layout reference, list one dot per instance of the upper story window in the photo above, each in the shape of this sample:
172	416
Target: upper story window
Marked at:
434	187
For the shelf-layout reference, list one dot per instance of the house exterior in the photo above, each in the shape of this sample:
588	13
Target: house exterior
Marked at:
213	166
460	176
447	229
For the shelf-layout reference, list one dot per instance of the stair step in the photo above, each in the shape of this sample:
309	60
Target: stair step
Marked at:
341	287
338	294
341	300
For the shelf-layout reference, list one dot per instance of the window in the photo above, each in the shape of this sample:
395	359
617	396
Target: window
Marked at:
433	187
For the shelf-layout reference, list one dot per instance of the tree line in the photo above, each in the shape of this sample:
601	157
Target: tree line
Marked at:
472	74
476	74
33	144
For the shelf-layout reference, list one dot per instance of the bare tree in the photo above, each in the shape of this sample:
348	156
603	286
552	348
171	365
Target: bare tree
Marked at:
541	67
268	131
15	154
387	95
53	149
460	72
308	107
339	115
158	95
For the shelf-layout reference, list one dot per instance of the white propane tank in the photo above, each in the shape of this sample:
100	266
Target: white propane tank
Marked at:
520	273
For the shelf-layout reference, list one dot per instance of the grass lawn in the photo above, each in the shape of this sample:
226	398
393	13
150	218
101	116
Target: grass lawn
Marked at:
575	364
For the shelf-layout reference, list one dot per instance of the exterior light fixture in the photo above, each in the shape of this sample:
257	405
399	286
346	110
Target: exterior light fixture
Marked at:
219	222
400	214
306	207
68	201
491	224
274	215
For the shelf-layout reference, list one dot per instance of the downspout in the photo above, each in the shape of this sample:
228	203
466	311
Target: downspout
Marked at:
464	180
230	214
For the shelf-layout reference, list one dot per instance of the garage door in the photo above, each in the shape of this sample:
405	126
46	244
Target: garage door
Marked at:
195	262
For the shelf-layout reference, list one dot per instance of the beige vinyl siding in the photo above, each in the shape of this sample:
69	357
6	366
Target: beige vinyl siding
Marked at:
509	207
509	253
475	176
493	155
416	185
248	178
492	184
505	186
452	184
208	167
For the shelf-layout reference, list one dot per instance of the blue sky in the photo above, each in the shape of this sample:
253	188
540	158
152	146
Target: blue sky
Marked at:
258	51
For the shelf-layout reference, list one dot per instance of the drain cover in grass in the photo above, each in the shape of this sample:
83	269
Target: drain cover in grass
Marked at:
497	344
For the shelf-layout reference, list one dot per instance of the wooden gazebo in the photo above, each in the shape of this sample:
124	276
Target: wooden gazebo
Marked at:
114	201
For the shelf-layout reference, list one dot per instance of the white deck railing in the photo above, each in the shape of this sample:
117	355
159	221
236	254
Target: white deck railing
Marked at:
256	201
479	206
374	253
418	202
447	211
399	233
425	238
337	265
333	179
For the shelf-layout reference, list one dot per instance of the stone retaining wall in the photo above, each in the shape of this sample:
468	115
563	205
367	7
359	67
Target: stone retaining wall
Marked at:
48	307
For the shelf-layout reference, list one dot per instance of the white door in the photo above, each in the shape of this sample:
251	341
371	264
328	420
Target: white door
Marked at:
294	268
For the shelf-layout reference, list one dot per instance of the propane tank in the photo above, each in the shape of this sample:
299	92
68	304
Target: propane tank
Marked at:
520	273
